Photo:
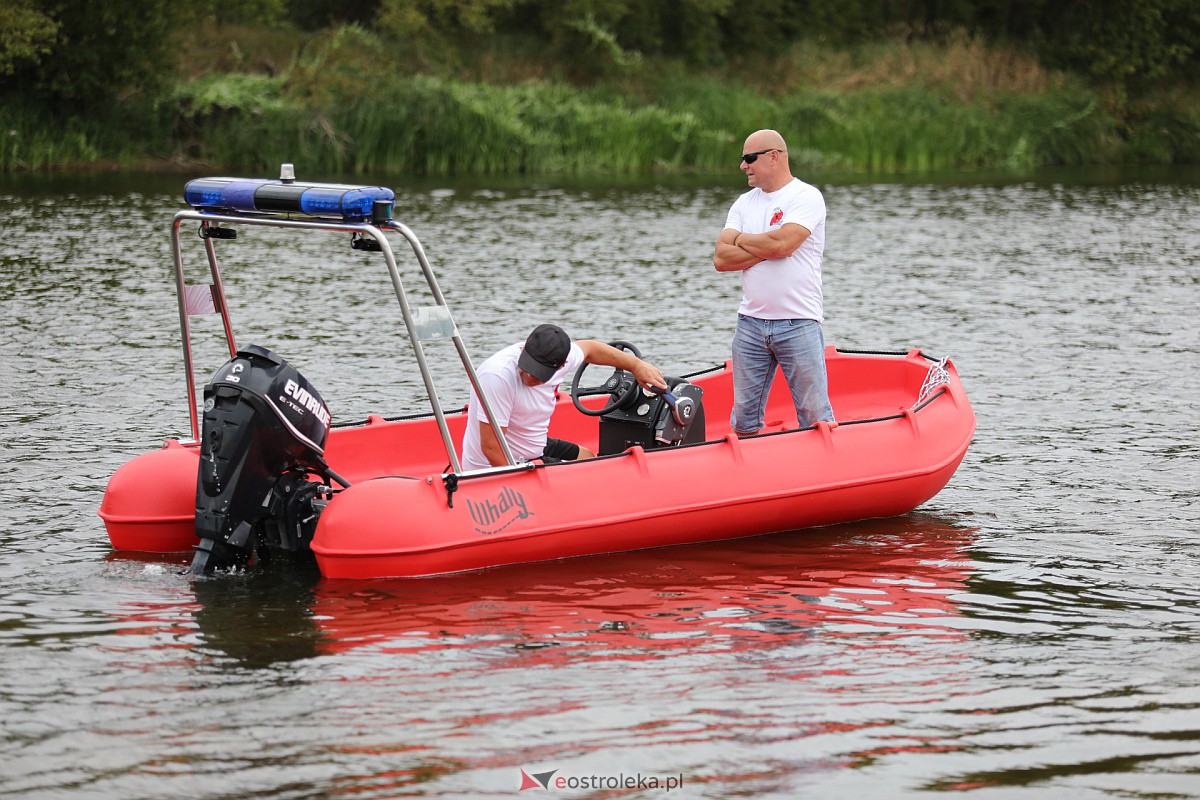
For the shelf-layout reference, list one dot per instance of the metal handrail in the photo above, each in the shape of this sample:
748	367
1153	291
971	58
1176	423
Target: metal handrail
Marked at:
376	232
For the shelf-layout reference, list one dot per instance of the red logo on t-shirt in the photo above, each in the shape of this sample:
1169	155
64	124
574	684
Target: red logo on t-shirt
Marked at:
777	217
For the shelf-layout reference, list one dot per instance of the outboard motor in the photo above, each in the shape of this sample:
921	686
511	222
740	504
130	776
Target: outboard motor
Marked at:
263	436
654	420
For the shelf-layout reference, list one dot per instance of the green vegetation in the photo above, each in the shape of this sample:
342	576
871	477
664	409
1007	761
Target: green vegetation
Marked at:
595	86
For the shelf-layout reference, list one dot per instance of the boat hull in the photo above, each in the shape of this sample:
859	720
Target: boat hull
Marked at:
402	517
150	502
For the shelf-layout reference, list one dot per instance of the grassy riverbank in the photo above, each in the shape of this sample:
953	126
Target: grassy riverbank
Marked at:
345	101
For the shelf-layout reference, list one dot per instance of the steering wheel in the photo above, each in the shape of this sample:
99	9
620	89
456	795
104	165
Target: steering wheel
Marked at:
621	385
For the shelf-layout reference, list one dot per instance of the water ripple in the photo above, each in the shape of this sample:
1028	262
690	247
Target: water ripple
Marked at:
1032	631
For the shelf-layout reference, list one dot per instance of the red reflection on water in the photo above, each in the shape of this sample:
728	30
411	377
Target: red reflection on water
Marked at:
892	577
891	582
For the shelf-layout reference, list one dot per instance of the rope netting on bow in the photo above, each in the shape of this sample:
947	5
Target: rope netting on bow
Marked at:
937	376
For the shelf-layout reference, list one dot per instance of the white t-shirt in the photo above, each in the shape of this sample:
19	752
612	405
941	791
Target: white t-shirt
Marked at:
523	410
783	288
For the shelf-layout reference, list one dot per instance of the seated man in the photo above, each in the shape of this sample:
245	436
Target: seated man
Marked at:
521	381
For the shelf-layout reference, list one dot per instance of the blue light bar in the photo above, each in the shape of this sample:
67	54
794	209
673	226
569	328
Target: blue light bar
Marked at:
258	195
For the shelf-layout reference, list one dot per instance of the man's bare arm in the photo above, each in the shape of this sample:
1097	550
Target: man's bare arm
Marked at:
728	257
779	243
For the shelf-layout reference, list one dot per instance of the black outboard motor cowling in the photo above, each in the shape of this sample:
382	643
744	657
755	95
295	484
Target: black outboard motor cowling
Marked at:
263	434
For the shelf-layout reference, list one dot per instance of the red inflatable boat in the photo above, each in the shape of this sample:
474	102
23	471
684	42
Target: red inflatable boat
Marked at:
267	472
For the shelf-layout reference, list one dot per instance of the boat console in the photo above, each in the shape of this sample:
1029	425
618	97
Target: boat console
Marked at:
655	419
637	417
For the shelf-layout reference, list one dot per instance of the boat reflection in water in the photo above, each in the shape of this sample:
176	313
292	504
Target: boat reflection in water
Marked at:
898	575
798	648
892	576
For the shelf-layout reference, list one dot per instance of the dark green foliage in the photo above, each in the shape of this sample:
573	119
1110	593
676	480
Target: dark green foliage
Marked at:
26	35
100	53
506	86
1120	40
1163	134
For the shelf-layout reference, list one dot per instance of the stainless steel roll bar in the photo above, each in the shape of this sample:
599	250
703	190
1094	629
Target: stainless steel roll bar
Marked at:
439	321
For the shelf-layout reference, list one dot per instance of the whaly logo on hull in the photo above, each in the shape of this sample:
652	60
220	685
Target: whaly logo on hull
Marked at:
493	516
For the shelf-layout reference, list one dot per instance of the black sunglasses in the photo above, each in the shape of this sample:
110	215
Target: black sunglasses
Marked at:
750	158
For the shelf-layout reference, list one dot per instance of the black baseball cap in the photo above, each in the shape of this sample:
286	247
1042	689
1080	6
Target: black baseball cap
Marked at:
545	352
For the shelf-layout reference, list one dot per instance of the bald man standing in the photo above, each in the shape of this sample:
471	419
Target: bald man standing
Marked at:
775	237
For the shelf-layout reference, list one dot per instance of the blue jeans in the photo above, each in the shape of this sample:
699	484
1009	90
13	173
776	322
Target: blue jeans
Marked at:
795	345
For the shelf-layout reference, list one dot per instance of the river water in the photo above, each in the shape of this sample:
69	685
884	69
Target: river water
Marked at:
1033	631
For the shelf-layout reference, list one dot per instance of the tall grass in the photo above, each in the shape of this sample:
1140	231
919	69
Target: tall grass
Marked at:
960	65
428	125
885	107
916	130
31	140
